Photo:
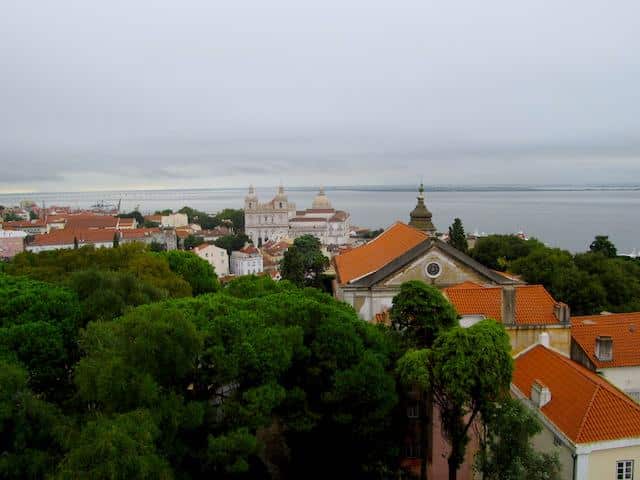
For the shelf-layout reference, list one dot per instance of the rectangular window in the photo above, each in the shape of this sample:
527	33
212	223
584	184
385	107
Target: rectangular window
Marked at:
413	410
624	470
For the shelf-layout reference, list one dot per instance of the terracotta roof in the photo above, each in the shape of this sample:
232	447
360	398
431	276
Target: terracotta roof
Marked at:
534	305
584	406
339	216
386	247
138	233
319	210
624	330
66	237
88	220
308	219
250	250
23	224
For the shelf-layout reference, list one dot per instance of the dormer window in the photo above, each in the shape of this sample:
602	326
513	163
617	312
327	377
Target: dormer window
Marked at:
604	349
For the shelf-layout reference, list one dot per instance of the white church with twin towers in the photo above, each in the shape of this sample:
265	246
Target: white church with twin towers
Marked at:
278	219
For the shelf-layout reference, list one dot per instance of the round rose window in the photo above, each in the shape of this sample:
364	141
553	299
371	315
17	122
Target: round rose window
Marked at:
433	269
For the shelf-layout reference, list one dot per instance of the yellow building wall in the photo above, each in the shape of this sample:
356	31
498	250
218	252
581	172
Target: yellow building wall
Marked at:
544	443
525	336
602	464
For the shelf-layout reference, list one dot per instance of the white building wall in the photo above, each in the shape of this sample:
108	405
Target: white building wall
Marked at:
626	379
217	258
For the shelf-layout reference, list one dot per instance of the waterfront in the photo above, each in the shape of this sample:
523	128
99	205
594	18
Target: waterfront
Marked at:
568	218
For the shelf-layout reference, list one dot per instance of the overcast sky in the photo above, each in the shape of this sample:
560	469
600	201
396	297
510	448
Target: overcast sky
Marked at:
152	93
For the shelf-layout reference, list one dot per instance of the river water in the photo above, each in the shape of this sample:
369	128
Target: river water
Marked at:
563	217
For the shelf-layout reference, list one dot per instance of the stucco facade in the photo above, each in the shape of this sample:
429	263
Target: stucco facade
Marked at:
216	256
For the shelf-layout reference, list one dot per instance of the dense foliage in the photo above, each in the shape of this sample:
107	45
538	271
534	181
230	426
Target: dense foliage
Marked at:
457	237
229	215
108	281
232	242
505	450
588	282
303	262
259	380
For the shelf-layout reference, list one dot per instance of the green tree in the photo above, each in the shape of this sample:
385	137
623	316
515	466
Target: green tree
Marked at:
506	452
602	244
471	370
195	270
118	447
498	251
116	240
38	325
457	237
28	427
232	242
421	314
304	263
134	214
192	241
33	215
11	217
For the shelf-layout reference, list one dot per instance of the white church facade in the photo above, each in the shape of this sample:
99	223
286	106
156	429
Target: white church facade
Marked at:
279	219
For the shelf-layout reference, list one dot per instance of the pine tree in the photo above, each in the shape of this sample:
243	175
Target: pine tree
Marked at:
457	237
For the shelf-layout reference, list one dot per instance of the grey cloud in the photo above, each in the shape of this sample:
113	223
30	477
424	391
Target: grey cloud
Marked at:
187	93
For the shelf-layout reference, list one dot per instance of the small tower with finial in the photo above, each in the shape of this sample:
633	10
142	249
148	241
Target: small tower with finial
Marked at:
420	217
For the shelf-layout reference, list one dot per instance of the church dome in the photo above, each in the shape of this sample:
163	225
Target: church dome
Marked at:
421	216
321	202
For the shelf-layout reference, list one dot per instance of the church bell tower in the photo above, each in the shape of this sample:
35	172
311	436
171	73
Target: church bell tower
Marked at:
421	216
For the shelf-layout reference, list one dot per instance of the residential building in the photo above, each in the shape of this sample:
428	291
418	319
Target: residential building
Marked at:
246	261
67	239
172	220
30	227
593	427
526	311
11	243
610	346
216	256
166	237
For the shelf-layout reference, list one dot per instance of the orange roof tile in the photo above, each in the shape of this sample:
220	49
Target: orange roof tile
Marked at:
66	237
138	233
624	330
534	305
386	247
584	406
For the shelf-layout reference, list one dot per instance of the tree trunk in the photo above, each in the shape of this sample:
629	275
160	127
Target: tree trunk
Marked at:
426	432
453	469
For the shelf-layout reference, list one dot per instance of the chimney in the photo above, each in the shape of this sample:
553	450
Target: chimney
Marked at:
509	305
540	394
543	339
561	311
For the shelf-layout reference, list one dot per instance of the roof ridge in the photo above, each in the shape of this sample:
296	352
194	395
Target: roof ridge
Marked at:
595	379
586	412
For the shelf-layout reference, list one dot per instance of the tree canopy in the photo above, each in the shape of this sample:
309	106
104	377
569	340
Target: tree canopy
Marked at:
588	282
457	237
303	262
602	244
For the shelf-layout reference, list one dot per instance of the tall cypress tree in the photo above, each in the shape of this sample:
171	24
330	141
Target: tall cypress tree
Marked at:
457	237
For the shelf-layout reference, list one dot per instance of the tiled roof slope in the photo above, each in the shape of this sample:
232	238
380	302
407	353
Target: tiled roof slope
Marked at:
67	236
534	305
583	406
386	247
624	330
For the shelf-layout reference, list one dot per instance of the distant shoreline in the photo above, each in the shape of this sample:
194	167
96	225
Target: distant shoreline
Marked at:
365	188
